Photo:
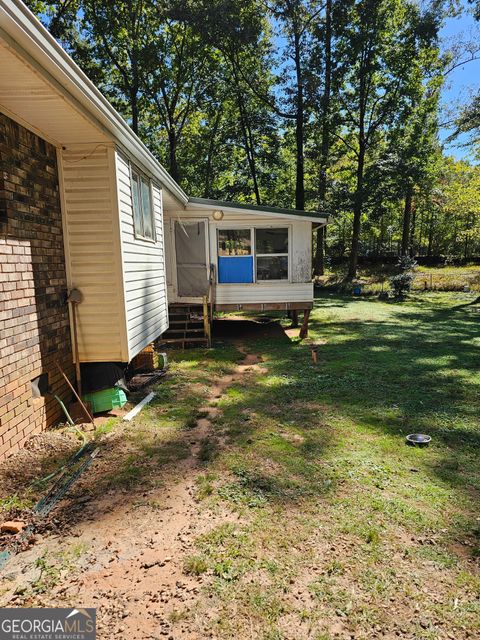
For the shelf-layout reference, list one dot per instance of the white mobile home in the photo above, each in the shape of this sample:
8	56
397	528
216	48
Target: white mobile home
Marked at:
257	258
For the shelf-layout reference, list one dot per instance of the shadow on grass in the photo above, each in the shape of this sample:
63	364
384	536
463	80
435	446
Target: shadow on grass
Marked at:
422	362
391	370
148	455
385	370
397	369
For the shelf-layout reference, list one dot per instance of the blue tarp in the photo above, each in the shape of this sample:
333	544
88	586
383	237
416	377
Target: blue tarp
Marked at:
235	269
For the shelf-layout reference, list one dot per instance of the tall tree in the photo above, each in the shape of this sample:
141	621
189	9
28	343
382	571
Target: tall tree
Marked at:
294	21
379	46
413	142
416	155
241	32
181	76
467	121
119	35
325	37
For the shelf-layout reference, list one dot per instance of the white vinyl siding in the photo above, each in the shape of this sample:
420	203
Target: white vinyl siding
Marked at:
268	292
143	267
93	250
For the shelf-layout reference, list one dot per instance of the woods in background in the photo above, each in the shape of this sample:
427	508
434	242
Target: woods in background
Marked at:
329	105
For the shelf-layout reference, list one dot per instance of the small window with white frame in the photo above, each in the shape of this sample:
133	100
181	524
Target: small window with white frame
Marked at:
143	216
271	252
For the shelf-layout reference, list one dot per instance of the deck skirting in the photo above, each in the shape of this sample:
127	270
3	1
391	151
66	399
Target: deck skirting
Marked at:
265	306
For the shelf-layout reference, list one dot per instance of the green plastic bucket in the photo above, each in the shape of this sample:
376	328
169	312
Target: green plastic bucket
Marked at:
106	400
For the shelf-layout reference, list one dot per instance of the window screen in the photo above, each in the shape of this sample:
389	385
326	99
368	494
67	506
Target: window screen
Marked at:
271	241
137	209
142	207
272	268
271	248
234	242
147	210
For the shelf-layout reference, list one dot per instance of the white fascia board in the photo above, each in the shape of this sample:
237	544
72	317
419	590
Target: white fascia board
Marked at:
17	21
208	207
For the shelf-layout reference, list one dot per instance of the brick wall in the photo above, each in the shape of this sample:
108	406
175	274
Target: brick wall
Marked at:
34	325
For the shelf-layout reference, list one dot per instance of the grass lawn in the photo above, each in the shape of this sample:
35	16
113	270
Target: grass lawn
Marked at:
309	516
344	529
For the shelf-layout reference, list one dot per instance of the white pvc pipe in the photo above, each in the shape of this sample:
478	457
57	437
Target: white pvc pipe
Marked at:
131	414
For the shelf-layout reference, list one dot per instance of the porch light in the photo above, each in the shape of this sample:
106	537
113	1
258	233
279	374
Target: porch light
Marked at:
218	215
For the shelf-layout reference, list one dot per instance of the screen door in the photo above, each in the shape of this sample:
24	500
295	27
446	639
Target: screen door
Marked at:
191	252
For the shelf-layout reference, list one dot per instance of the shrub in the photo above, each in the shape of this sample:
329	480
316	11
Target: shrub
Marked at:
401	283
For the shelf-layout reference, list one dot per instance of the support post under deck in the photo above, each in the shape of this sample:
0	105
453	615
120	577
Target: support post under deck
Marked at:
304	329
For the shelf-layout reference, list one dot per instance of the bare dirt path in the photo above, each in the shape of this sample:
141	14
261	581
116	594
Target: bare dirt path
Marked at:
133	570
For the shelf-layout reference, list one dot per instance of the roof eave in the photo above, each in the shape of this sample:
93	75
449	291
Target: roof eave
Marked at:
27	31
293	214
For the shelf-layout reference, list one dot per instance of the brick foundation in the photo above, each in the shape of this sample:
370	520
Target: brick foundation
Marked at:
34	324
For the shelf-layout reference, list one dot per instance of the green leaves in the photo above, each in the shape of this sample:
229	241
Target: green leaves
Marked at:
330	104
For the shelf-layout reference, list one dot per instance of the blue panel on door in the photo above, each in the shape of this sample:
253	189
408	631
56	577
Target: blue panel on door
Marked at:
235	269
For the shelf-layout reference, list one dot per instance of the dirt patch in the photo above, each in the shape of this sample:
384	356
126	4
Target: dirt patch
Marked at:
39	453
129	555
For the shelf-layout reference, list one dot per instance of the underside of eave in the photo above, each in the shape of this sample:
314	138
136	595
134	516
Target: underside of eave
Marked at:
27	97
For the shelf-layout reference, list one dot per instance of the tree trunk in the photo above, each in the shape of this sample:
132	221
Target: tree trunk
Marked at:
407	216
134	92
211	149
134	108
357	212
172	154
299	121
248	141
412	229
455	237
319	265
362	150
420	233
249	146
253	163
430	235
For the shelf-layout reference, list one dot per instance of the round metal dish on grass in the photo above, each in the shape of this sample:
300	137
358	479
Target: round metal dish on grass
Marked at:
418	439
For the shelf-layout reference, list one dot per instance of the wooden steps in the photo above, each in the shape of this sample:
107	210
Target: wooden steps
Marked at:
186	326
183	341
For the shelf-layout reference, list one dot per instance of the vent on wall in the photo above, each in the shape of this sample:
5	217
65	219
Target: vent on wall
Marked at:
40	385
